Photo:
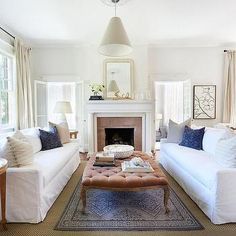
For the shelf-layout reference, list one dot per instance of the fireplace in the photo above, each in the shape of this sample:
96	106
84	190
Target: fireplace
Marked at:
119	130
119	136
138	115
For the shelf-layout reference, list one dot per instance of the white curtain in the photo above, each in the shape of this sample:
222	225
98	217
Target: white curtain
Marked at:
24	93
229	105
173	102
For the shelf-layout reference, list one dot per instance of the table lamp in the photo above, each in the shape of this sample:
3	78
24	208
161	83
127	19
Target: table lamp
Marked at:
113	87
63	107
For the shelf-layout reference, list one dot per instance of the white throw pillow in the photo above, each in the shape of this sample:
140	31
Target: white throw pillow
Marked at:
32	136
211	138
225	153
63	131
22	151
6	151
175	131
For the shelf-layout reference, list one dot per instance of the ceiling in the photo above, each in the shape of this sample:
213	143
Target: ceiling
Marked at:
163	22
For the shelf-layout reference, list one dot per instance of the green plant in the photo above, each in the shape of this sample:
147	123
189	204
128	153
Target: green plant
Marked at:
97	88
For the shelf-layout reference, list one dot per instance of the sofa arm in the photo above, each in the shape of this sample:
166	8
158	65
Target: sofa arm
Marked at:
225	196
163	140
24	192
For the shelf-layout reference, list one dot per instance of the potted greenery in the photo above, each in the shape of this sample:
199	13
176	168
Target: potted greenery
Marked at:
96	89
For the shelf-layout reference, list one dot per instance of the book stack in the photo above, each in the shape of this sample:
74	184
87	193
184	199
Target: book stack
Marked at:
104	159
136	164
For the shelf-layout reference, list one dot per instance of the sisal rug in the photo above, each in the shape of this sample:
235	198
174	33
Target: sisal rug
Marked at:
126	211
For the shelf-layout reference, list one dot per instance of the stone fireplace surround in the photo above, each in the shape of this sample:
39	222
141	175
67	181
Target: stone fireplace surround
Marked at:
143	110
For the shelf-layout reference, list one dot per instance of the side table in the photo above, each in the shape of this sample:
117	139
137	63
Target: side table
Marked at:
73	134
3	168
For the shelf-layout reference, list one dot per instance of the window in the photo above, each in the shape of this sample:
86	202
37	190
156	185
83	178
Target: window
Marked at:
7	93
173	101
46	96
61	92
48	93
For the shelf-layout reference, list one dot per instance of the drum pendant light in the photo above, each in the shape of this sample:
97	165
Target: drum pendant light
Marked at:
115	42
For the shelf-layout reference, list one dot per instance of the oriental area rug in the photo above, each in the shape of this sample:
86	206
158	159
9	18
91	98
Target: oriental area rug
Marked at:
126	211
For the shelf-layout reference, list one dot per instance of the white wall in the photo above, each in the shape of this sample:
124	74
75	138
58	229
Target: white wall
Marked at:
202	65
82	63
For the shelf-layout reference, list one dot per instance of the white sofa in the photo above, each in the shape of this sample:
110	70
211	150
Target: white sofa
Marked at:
32	189
210	185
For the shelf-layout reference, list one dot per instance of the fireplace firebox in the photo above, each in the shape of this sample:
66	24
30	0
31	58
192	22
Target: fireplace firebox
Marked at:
119	136
119	130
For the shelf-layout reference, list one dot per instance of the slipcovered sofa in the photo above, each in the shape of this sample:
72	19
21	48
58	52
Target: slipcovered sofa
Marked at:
209	184
32	189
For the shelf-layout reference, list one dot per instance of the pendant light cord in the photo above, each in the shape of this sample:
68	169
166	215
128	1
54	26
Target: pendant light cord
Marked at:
115	7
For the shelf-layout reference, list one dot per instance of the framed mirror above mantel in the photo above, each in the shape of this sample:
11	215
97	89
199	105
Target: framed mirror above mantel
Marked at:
118	78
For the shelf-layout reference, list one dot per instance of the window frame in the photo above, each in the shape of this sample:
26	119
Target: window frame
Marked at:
11	126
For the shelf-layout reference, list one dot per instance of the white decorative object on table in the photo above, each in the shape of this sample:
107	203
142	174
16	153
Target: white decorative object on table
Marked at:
119	150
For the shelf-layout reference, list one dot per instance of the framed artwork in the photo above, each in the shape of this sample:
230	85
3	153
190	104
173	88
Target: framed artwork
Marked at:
204	101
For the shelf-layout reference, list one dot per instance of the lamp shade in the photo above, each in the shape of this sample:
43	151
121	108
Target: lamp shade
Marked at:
113	87
115	42
159	116
63	107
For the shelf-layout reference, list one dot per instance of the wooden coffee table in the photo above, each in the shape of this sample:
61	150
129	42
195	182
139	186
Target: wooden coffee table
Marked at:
113	179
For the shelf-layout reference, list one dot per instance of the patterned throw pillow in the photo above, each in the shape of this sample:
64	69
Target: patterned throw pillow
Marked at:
49	139
6	150
22	151
192	138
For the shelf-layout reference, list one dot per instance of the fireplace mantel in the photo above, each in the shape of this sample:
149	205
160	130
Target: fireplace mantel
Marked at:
121	108
120	105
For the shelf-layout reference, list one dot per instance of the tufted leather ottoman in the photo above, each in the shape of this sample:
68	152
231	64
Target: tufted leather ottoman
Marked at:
113	179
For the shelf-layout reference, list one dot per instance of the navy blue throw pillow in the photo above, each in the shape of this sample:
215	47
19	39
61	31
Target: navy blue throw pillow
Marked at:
49	139
192	138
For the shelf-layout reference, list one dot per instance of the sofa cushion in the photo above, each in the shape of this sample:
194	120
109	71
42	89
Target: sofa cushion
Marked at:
226	152
22	151
211	138
199	164
49	139
192	138
6	150
63	131
32	135
175	131
51	162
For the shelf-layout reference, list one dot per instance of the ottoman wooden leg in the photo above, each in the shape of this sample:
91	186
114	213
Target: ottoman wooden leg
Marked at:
166	198
83	198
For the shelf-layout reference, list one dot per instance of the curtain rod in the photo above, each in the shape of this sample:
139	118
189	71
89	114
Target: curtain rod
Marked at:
7	32
229	50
